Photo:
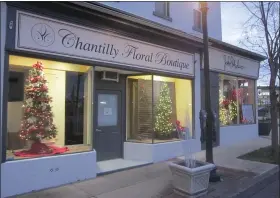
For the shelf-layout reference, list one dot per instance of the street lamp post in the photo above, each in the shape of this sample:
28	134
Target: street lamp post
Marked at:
210	117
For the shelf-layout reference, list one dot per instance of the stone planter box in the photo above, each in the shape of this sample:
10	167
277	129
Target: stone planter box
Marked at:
190	182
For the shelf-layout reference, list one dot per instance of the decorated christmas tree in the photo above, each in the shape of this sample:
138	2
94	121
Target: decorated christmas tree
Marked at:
163	124
37	123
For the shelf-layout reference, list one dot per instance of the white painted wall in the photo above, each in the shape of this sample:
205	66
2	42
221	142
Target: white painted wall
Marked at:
180	12
56	80
230	135
152	153
169	150
138	151
24	176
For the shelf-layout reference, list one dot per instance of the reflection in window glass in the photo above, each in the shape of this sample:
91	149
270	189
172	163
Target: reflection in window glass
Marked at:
236	100
53	113
172	103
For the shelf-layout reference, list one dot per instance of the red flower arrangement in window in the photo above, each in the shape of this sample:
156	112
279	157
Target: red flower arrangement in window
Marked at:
237	94
180	130
178	123
226	102
245	121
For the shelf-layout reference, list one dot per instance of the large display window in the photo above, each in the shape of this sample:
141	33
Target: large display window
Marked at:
236	100
49	108
158	108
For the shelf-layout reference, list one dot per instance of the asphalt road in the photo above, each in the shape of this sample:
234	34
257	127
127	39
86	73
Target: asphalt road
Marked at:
270	191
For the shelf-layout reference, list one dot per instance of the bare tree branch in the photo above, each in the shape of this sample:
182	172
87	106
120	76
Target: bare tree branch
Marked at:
254	14
262	31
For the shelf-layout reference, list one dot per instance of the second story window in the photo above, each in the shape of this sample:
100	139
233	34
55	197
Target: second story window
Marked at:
162	10
197	23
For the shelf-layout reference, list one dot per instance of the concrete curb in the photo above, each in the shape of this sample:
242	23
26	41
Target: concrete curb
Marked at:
259	182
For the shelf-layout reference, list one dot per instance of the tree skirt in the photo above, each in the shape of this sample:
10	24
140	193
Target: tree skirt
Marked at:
39	149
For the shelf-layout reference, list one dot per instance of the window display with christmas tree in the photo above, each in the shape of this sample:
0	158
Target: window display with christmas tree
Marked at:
49	108
156	105
37	123
163	113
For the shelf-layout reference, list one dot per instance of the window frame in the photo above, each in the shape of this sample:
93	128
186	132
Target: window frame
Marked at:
8	64
164	14
236	78
193	108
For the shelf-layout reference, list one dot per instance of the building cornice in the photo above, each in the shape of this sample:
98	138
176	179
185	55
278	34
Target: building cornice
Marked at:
237	50
136	19
140	20
141	26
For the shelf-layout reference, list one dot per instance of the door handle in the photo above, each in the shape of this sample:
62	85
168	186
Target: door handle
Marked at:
98	130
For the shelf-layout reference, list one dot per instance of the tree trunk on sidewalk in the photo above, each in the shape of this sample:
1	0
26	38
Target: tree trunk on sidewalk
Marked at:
262	33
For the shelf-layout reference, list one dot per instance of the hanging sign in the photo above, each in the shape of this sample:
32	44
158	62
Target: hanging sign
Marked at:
45	35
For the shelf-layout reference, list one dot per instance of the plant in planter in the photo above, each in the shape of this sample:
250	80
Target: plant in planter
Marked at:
190	176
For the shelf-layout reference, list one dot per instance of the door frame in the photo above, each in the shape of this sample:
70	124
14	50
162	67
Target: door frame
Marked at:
111	86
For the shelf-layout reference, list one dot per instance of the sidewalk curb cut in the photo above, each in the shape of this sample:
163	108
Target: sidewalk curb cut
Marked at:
257	182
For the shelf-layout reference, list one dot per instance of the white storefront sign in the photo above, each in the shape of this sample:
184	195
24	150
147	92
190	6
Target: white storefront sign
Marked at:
232	64
36	33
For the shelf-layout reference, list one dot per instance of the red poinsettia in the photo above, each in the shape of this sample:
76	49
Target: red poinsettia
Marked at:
178	123
245	121
226	102
237	94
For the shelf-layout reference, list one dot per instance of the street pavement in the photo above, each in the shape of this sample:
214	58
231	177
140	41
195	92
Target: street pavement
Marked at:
155	180
269	191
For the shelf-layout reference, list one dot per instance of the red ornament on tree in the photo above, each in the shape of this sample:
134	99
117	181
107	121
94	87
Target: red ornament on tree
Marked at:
44	88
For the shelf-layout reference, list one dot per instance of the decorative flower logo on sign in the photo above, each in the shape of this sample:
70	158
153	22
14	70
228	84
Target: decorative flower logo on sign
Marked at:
43	34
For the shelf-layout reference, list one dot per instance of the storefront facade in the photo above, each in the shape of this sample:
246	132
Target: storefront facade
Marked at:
233	88
237	96
95	91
